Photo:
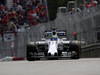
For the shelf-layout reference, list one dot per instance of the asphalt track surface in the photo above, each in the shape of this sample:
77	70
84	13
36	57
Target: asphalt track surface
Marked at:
52	67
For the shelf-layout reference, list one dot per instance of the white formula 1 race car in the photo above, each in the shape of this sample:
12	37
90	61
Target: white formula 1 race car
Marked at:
53	47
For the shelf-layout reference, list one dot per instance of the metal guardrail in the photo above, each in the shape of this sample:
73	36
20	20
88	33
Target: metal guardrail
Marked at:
91	47
91	51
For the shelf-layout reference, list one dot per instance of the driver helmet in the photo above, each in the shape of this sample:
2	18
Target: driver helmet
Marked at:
54	37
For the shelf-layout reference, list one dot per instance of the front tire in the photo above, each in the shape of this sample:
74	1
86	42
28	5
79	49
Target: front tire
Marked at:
75	47
31	48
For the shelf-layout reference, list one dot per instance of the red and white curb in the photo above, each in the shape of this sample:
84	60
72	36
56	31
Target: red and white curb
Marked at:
12	59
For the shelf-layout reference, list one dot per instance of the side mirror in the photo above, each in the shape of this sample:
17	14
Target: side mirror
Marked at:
64	39
43	39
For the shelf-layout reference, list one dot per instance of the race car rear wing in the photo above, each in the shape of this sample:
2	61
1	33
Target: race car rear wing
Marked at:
49	33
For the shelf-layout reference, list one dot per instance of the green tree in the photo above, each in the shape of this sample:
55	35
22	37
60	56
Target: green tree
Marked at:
54	4
52	8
